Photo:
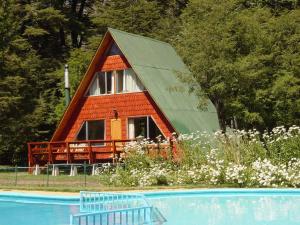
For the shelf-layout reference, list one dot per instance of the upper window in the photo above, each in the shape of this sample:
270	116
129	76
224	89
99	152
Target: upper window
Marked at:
91	130
117	81
114	50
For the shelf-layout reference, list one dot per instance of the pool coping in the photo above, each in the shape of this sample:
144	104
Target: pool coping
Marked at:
74	197
225	191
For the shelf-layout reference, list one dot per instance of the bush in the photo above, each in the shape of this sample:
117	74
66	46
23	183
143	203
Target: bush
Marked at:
245	159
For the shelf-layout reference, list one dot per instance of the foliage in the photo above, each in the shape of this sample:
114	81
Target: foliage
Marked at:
244	54
235	161
246	59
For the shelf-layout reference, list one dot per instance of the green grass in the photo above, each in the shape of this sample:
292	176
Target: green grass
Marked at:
65	183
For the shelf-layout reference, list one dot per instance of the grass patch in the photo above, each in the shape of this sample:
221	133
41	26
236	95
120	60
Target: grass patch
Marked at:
65	183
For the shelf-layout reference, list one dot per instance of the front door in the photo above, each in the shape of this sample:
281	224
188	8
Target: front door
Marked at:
116	129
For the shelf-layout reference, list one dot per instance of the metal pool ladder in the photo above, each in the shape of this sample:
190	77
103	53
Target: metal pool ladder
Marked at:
98	208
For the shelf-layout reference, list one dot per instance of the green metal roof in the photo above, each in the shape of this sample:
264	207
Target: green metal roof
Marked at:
157	64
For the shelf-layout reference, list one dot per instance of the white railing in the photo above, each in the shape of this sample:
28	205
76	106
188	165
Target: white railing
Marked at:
98	208
97	201
132	216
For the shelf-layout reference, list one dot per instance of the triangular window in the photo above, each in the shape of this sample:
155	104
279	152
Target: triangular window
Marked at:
114	50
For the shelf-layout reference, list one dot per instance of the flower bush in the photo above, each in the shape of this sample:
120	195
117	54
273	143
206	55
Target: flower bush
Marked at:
239	158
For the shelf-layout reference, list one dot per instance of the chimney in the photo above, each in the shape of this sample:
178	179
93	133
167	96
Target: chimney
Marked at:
67	86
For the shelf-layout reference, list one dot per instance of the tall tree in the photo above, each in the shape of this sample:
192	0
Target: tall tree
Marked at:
141	16
18	74
238	57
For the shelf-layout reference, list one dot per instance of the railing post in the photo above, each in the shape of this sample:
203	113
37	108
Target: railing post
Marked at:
114	150
158	148
68	152
91	158
171	147
49	153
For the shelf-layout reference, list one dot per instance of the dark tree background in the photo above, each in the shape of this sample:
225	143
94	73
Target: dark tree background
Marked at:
243	55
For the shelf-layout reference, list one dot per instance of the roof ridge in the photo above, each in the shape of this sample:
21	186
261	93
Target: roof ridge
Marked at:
140	36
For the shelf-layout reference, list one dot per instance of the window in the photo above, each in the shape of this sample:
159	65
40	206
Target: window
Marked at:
94	88
118	81
132	82
101	82
142	126
92	130
114	50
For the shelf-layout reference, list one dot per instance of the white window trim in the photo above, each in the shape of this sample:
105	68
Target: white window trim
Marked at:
148	118
114	84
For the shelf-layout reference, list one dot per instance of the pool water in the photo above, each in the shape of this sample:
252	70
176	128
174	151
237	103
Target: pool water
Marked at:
23	209
201	207
15	213
230	210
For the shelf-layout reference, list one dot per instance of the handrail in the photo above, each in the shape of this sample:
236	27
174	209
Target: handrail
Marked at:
97	201
115	209
147	215
91	150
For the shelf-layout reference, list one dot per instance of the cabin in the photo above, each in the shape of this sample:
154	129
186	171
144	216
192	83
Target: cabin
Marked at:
131	89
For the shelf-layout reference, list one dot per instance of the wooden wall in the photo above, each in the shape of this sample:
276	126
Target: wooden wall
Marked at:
126	104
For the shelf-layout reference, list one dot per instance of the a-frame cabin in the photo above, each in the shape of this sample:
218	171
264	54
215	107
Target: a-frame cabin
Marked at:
130	89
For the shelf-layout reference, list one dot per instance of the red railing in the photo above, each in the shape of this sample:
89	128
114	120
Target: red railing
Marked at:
92	151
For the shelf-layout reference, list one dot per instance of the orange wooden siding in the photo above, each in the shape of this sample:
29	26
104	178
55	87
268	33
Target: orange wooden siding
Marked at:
101	107
114	62
127	105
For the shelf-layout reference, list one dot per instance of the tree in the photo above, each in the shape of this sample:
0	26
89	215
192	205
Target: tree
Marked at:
239	57
140	16
19	70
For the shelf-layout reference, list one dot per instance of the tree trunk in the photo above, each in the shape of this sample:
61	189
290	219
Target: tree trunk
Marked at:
74	33
80	12
221	114
62	36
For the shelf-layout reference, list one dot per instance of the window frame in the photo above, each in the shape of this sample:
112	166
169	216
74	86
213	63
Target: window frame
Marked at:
86	130
114	82
148	128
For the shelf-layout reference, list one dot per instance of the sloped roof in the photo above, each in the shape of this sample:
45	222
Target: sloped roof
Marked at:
157	65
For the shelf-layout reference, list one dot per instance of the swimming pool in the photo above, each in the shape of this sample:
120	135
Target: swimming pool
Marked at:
196	207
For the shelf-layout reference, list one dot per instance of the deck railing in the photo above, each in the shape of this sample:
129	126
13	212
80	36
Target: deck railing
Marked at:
115	209
91	151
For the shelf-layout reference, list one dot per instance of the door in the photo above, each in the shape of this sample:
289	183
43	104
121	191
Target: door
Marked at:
116	129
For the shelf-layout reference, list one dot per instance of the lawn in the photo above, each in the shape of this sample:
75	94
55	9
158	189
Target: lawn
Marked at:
235	159
66	183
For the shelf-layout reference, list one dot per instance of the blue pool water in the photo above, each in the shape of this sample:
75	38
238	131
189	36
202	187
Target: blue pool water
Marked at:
201	207
231	208
20	209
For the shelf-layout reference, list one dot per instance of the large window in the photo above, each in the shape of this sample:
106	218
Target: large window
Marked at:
92	130
117	81
142	126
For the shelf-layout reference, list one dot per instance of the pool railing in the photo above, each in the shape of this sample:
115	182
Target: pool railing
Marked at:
97	201
98	208
147	215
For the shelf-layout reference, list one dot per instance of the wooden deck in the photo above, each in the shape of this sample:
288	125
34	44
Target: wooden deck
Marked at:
94	151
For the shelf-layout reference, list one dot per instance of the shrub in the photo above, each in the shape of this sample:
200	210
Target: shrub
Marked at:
238	157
